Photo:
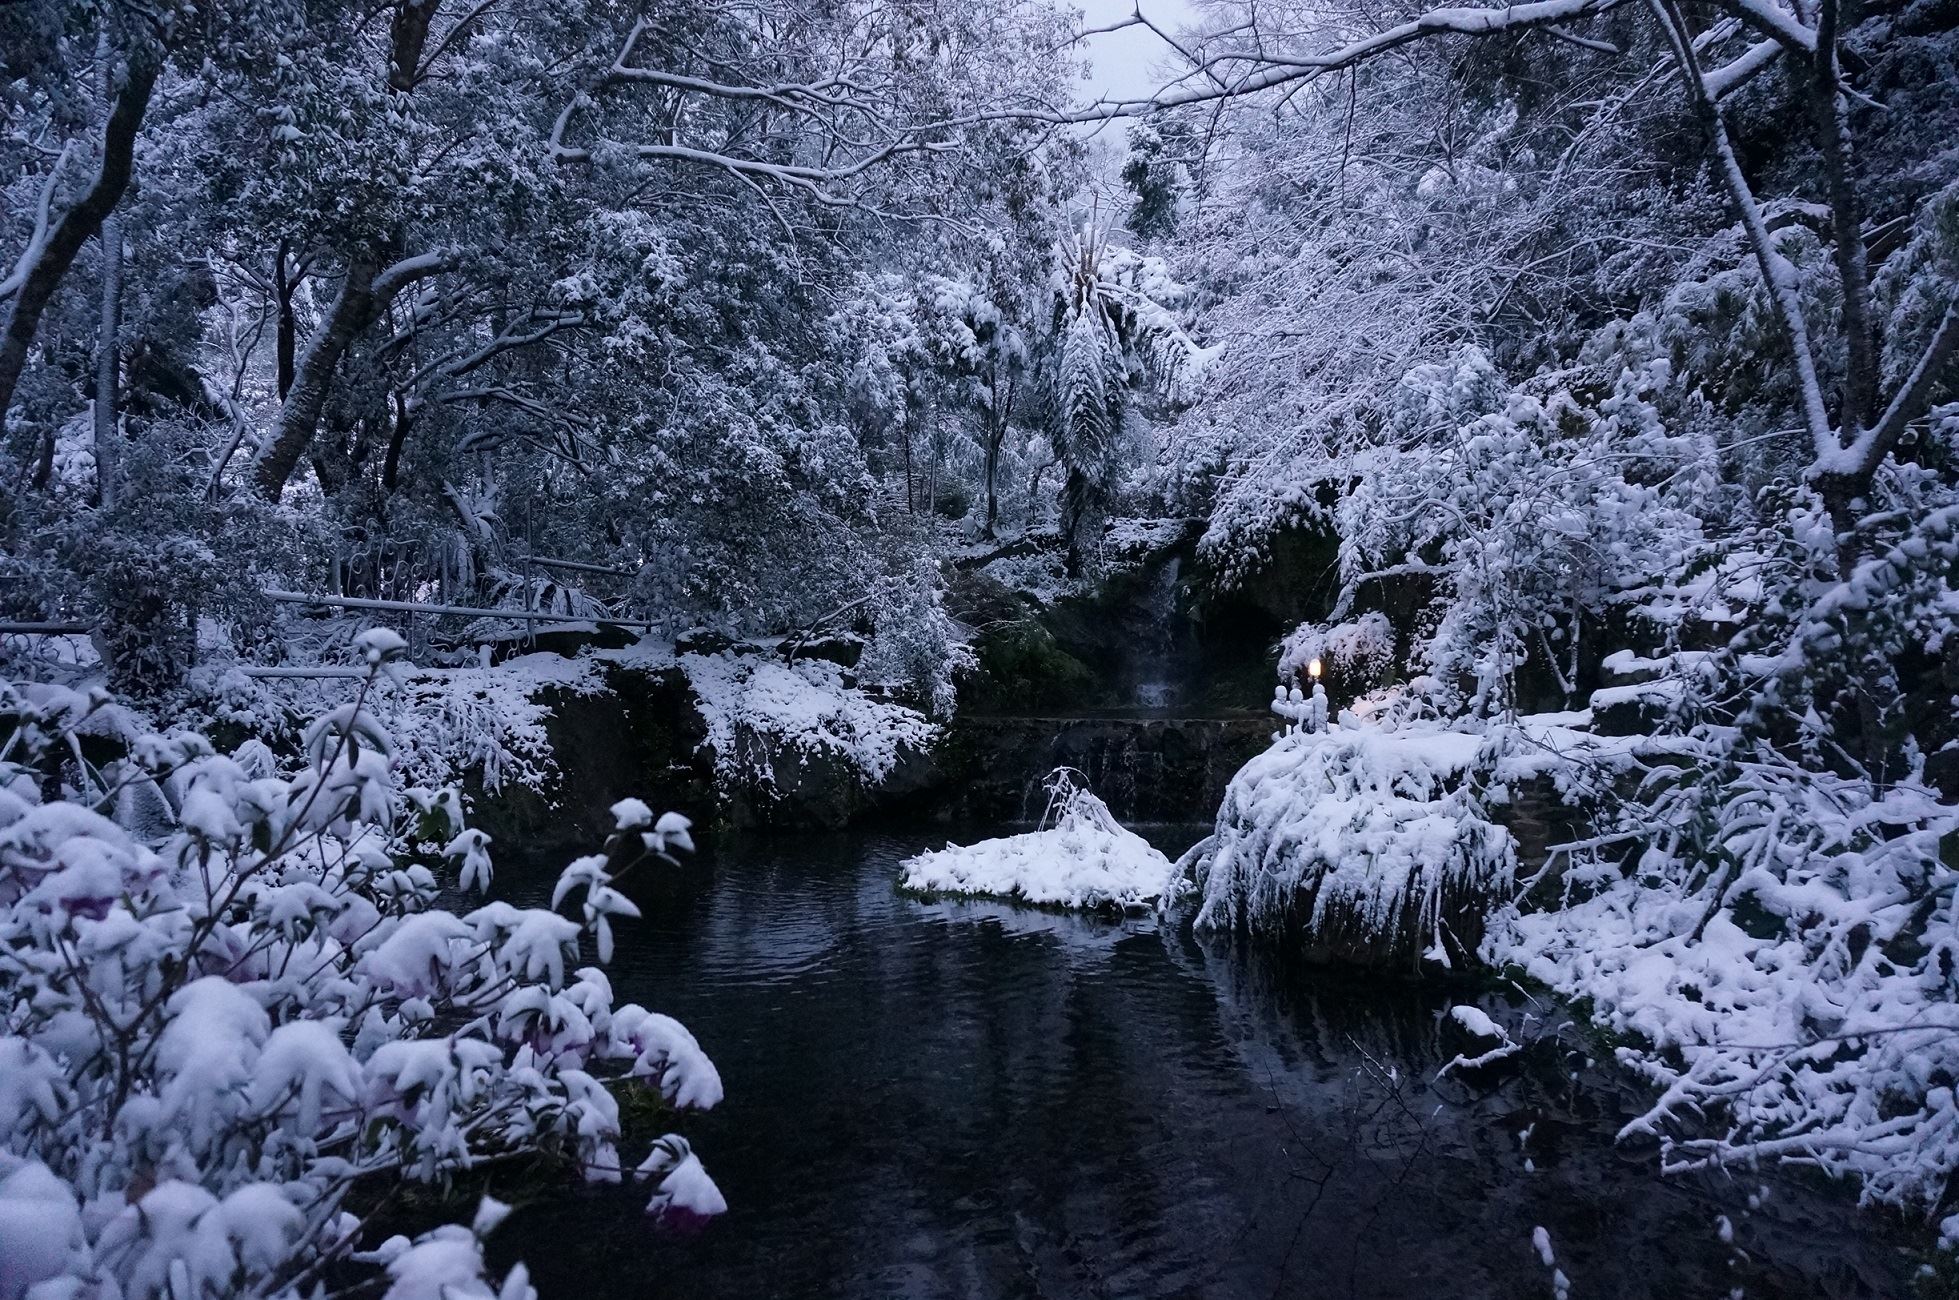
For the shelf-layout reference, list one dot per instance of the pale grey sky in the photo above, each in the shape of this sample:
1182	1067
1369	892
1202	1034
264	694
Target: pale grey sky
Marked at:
1127	62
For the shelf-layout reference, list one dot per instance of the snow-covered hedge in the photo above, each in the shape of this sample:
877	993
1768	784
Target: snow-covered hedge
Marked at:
214	1036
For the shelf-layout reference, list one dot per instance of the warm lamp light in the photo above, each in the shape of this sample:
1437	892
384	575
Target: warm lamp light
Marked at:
1313	670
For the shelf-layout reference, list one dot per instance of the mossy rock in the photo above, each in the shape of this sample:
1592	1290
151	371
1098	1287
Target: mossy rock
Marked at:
1023	666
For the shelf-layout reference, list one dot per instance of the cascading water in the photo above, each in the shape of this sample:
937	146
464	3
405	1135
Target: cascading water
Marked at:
1155	668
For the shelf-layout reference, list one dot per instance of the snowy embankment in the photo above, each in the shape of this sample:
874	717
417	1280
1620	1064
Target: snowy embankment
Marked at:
1080	858
489	721
768	730
759	710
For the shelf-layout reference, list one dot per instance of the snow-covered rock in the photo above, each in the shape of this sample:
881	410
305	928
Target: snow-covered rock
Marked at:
1083	858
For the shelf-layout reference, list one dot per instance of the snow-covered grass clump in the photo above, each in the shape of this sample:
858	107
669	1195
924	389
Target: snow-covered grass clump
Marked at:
759	708
1081	857
222	1018
1372	842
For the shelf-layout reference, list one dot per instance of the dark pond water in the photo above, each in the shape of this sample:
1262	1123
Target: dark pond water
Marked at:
971	1100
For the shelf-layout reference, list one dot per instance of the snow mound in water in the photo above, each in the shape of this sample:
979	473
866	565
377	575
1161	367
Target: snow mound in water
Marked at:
1081	857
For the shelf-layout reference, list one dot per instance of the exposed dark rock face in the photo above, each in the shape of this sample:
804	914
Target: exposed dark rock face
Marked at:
642	735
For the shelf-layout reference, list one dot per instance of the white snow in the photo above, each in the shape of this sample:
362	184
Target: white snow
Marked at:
1085	859
1476	1021
1364	820
805	706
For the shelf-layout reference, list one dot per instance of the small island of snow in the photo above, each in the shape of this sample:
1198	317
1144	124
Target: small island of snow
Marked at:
1081	857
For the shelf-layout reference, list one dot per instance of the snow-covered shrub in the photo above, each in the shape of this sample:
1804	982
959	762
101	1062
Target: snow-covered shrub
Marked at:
1533	515
446	723
914	642
217	1036
1372	844
1781	938
1360	650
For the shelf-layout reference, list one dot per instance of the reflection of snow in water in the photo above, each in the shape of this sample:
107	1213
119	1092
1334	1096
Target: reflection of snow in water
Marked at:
1089	935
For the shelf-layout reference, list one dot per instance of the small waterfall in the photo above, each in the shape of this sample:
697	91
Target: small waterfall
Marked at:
1154	666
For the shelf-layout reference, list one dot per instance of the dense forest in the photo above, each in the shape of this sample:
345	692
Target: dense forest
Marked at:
1556	404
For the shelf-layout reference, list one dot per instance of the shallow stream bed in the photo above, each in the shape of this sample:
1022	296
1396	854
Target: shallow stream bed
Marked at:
929	1099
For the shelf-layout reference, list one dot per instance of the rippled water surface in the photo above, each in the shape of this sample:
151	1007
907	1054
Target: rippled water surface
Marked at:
972	1100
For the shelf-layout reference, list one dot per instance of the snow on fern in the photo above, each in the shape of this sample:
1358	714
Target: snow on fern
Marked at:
1081	857
228	1015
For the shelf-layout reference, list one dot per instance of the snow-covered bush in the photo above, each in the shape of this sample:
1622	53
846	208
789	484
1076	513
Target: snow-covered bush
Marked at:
1781	937
222	1037
1532	512
1372	844
1361	650
914	642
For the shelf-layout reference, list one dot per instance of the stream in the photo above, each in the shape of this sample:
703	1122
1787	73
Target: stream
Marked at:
968	1099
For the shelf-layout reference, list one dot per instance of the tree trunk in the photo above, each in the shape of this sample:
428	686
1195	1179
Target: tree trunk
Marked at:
352	311
408	35
363	296
78	224
1827	107
989	529
108	342
287	334
108	359
397	436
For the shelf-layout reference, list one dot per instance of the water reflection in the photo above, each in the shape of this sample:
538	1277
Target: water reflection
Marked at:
954	1099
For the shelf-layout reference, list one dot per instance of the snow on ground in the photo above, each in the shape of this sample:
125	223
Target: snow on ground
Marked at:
805	705
1085	859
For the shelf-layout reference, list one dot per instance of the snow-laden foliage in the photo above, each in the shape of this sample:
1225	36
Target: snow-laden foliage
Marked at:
509	307
1771	917
762	711
1113	328
442	723
1360	649
915	644
234	1020
1356	835
1798	990
1079	857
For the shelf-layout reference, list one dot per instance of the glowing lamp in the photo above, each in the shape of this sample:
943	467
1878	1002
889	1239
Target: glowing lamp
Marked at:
1313	670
